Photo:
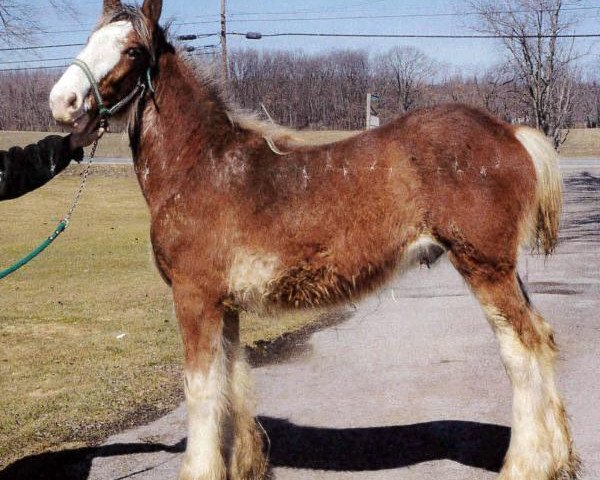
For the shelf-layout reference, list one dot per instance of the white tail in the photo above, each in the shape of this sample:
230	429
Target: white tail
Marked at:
546	216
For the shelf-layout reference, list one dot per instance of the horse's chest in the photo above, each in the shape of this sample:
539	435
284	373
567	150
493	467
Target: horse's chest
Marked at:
249	275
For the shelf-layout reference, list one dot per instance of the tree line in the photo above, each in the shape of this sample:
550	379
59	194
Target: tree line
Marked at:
328	91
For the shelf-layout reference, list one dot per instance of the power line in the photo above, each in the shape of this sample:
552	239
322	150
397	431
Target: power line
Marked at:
31	68
12	49
36	60
301	19
350	35
385	35
375	17
38	47
300	12
308	12
198	54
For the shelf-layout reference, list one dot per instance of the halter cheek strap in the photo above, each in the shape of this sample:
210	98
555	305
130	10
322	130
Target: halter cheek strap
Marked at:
139	89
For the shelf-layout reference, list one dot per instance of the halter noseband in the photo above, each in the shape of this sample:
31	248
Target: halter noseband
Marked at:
139	89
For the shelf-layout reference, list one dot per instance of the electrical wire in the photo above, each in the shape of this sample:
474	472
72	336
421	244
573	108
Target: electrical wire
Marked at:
36	60
391	35
31	68
330	18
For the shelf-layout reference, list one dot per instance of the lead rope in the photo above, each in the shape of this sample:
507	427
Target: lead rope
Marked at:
85	174
64	223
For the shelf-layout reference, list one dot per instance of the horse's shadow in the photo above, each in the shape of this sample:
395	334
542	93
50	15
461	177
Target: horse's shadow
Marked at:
474	444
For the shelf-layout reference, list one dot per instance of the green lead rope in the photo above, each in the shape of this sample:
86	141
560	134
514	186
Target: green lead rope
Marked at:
64	223
28	258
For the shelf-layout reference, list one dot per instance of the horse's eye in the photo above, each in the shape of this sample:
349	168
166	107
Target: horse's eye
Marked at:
133	52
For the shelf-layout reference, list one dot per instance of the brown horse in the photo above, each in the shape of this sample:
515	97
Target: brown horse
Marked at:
246	216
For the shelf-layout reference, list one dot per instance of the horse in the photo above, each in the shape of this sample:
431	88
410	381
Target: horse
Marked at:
247	215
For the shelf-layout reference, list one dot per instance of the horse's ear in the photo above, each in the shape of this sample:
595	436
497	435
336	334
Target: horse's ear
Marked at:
152	10
111	6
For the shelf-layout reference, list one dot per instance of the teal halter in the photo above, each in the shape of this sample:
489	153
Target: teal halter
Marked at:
139	89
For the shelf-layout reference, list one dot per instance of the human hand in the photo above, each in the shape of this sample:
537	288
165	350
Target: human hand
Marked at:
92	132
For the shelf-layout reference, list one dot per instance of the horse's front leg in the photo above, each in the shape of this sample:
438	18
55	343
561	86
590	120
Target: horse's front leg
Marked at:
206	381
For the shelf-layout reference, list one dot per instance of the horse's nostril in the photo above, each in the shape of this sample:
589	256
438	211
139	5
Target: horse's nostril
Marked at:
72	101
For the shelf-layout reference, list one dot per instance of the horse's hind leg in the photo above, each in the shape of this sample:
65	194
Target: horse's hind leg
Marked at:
247	460
540	446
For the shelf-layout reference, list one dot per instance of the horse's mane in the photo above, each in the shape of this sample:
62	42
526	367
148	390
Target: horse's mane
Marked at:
278	137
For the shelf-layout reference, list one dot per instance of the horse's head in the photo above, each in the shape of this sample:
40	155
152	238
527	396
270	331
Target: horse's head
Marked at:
113	67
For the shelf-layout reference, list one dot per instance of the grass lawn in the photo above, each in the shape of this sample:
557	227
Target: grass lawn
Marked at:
580	142
88	340
113	145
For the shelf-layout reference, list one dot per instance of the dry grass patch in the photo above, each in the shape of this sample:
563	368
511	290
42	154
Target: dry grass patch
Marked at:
113	145
580	142
88	341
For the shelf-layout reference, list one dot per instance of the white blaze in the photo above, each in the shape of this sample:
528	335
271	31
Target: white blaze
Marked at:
101	54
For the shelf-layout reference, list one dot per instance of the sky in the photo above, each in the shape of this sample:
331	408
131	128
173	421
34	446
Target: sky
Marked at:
429	17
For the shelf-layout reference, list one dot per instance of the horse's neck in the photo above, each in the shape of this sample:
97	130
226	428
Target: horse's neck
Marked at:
184	119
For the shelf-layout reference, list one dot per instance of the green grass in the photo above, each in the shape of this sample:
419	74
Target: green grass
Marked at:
88	340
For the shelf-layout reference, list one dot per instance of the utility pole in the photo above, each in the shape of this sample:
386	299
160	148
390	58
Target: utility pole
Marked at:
372	117
225	66
368	115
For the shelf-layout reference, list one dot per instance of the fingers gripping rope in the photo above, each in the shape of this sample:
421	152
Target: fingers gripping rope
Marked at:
64	223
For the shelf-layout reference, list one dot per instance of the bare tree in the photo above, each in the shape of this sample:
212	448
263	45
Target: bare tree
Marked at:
531	31
589	102
18	21
319	91
305	91
494	86
15	21
24	100
408	71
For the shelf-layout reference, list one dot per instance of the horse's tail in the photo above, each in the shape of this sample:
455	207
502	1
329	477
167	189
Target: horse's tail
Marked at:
548	204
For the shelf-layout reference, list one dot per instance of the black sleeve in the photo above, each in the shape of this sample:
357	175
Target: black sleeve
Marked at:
25	169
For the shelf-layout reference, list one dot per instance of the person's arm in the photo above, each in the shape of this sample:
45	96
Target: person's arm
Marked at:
25	169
